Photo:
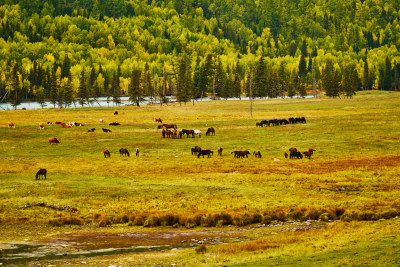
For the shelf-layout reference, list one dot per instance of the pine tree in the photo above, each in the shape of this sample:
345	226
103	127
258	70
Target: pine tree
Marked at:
196	79
14	85
53	90
68	96
330	80
82	90
304	52
366	77
115	88
387	80
220	77
260	79
135	88
66	67
302	66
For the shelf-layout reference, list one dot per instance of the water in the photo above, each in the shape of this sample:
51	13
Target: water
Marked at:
22	254
102	102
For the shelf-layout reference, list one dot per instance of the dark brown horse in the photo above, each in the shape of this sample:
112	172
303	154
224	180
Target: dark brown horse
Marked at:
169	133
187	132
307	154
116	113
257	154
210	131
124	152
106	153
157	120
292	149
205	152
137	152
240	154
195	150
41	172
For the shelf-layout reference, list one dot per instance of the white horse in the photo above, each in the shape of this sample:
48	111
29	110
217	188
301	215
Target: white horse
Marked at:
197	132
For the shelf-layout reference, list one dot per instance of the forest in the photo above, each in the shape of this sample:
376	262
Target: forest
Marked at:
64	51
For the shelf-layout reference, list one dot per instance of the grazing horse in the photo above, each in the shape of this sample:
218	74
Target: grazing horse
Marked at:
220	151
241	154
65	125
106	130
195	150
163	133
307	154
58	122
295	154
53	140
11	125
50	123
116	113
157	120
210	131
41	126
124	152
187	132
114	124
169	126
263	122
180	134
41	172
101	121
311	150
257	154
91	130
137	152
106	153
292	149
197	132
205	152
169	133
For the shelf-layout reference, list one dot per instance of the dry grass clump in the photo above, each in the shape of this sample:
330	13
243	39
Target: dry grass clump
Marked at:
63	220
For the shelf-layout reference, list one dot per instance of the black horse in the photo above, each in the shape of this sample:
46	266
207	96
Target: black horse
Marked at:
205	152
295	154
195	150
41	172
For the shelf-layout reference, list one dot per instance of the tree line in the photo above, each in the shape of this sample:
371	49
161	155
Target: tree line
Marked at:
77	51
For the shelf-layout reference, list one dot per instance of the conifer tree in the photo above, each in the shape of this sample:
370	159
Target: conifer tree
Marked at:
135	87
68	94
260	79
387	80
82	90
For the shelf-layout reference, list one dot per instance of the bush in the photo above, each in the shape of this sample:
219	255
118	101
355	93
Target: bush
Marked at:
104	221
151	221
201	249
139	220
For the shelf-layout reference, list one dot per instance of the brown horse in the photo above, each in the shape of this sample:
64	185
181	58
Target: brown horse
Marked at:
240	154
106	153
307	154
257	154
292	149
187	132
210	131
169	133
170	126
41	172
286	155
157	120
11	125
124	152
41	126
53	140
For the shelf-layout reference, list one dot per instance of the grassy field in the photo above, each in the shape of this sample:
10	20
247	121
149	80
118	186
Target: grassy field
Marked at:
353	176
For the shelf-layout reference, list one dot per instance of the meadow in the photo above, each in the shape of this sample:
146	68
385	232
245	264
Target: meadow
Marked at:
352	178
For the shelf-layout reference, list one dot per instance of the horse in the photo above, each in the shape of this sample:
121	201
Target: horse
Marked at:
11	125
41	172
263	122
53	140
292	149
307	154
295	154
258	124
180	134
65	125
41	126
91	130
311	150
210	131
106	130
241	154
58	122
137	152
101	121
124	152
50	123
286	155
114	124
163	133
106	153
198	132
157	120
169	126
220	151
169	133
257	154
116	113
205	152
187	132
195	150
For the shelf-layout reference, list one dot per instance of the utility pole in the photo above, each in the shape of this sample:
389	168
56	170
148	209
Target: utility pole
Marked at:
251	98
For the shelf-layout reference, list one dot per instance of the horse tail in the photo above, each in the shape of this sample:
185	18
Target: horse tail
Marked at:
127	152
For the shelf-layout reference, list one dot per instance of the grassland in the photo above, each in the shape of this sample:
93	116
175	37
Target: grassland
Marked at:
353	176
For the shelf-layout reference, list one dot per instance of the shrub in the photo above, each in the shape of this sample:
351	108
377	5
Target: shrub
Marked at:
368	216
104	221
139	220
324	217
256	218
151	221
201	249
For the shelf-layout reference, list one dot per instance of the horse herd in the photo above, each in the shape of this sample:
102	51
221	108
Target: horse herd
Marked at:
171	131
277	122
